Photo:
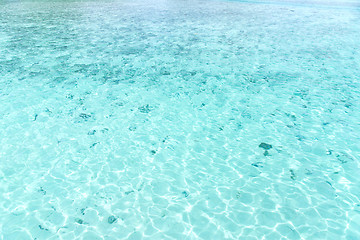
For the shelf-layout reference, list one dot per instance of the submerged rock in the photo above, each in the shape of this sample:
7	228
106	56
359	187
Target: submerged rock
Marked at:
145	109
112	219
92	132
42	228
265	146
257	164
79	221
84	116
185	193
292	174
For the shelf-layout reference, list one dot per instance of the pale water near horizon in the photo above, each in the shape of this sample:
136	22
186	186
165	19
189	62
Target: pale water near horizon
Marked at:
179	120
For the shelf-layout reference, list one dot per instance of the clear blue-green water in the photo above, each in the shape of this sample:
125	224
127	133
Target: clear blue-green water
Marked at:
179	119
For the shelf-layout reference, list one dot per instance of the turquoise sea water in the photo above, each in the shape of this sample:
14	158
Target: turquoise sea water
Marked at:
179	119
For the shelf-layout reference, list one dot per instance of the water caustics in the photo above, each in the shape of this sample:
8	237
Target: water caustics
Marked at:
179	120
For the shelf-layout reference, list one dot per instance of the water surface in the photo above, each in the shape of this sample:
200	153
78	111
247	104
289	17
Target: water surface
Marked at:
179	119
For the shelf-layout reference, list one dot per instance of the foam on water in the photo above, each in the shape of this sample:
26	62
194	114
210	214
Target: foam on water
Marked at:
179	120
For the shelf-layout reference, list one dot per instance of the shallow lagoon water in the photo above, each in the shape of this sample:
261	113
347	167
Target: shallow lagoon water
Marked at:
179	120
